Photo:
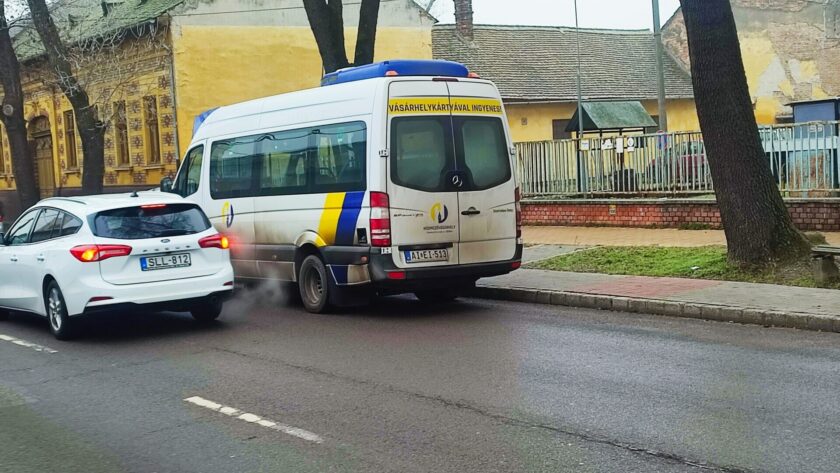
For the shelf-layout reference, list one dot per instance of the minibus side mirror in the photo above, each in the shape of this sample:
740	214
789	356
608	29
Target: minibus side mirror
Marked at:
166	184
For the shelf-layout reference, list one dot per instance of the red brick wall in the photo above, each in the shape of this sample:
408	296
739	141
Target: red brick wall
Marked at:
807	214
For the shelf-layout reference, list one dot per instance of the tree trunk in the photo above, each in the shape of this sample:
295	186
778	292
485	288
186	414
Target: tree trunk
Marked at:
327	24
91	130
366	38
11	114
326	18
757	224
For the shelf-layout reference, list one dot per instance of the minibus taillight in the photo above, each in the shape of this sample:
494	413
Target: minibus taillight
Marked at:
517	197
380	220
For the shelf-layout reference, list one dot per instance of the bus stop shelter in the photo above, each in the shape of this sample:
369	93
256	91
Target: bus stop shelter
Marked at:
612	118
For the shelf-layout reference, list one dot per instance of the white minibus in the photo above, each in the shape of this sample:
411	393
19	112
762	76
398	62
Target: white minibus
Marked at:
390	178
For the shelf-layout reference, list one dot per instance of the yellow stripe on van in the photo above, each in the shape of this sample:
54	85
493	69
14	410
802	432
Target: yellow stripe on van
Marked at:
329	217
444	105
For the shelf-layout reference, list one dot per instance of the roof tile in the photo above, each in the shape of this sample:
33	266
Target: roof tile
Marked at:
536	63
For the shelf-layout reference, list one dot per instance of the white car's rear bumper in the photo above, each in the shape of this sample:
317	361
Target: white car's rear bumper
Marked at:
79	294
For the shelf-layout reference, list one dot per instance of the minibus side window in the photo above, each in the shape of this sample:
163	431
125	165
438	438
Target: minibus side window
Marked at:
482	144
232	168
340	153
422	153
283	168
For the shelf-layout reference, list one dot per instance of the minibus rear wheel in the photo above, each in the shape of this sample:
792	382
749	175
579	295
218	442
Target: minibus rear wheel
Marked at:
314	285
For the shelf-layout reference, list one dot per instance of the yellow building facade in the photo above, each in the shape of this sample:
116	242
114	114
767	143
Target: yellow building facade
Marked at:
535	122
137	112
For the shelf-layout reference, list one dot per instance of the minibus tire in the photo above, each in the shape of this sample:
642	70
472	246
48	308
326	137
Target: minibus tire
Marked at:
314	285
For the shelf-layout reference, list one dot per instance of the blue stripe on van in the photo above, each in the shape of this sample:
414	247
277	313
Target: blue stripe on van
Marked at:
340	274
345	234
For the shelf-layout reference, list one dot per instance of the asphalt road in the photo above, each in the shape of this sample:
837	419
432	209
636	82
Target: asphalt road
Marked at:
478	386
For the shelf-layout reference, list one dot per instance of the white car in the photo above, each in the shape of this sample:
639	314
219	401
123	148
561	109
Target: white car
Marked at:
66	257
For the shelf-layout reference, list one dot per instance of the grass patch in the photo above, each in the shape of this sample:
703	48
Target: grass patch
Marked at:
695	226
708	262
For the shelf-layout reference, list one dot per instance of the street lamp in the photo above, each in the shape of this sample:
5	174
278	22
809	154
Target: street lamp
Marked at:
580	163
660	67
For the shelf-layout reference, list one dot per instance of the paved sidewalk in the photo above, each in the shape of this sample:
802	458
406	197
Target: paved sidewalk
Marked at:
764	304
614	236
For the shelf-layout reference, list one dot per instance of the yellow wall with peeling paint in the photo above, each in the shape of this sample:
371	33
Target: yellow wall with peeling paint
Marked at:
774	82
221	65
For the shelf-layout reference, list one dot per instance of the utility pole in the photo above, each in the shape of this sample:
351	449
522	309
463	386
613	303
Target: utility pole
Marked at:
580	162
660	67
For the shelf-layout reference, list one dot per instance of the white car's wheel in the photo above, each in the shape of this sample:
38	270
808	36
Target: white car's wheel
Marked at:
208	310
61	325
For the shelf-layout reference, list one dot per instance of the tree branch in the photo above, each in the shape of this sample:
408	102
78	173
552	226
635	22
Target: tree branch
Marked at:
366	39
323	18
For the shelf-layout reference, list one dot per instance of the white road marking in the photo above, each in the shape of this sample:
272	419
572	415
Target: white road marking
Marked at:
254	419
24	343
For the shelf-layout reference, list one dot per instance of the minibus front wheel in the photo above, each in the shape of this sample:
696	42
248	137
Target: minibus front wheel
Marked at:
314	284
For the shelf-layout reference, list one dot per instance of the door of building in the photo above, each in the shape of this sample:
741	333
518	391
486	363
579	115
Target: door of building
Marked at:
42	152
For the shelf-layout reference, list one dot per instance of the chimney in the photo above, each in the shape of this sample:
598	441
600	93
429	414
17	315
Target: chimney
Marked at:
464	18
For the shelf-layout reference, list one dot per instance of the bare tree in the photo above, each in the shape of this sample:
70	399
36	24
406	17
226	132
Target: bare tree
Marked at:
326	18
12	116
755	219
90	129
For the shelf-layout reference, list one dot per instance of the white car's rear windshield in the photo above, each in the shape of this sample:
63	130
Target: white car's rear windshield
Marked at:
150	221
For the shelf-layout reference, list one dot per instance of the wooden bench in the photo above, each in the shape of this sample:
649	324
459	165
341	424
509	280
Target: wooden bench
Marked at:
822	263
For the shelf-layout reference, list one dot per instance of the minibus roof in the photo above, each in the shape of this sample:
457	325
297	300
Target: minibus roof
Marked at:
403	67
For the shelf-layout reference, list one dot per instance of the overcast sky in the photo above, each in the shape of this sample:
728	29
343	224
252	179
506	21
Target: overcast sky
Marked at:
621	14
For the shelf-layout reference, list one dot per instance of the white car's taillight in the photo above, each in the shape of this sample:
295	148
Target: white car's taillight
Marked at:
380	220
94	253
214	241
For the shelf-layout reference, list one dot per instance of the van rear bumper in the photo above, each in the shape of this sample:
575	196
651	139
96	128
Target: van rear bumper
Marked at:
384	274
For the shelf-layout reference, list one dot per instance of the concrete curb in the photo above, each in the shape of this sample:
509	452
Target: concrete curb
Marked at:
692	310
